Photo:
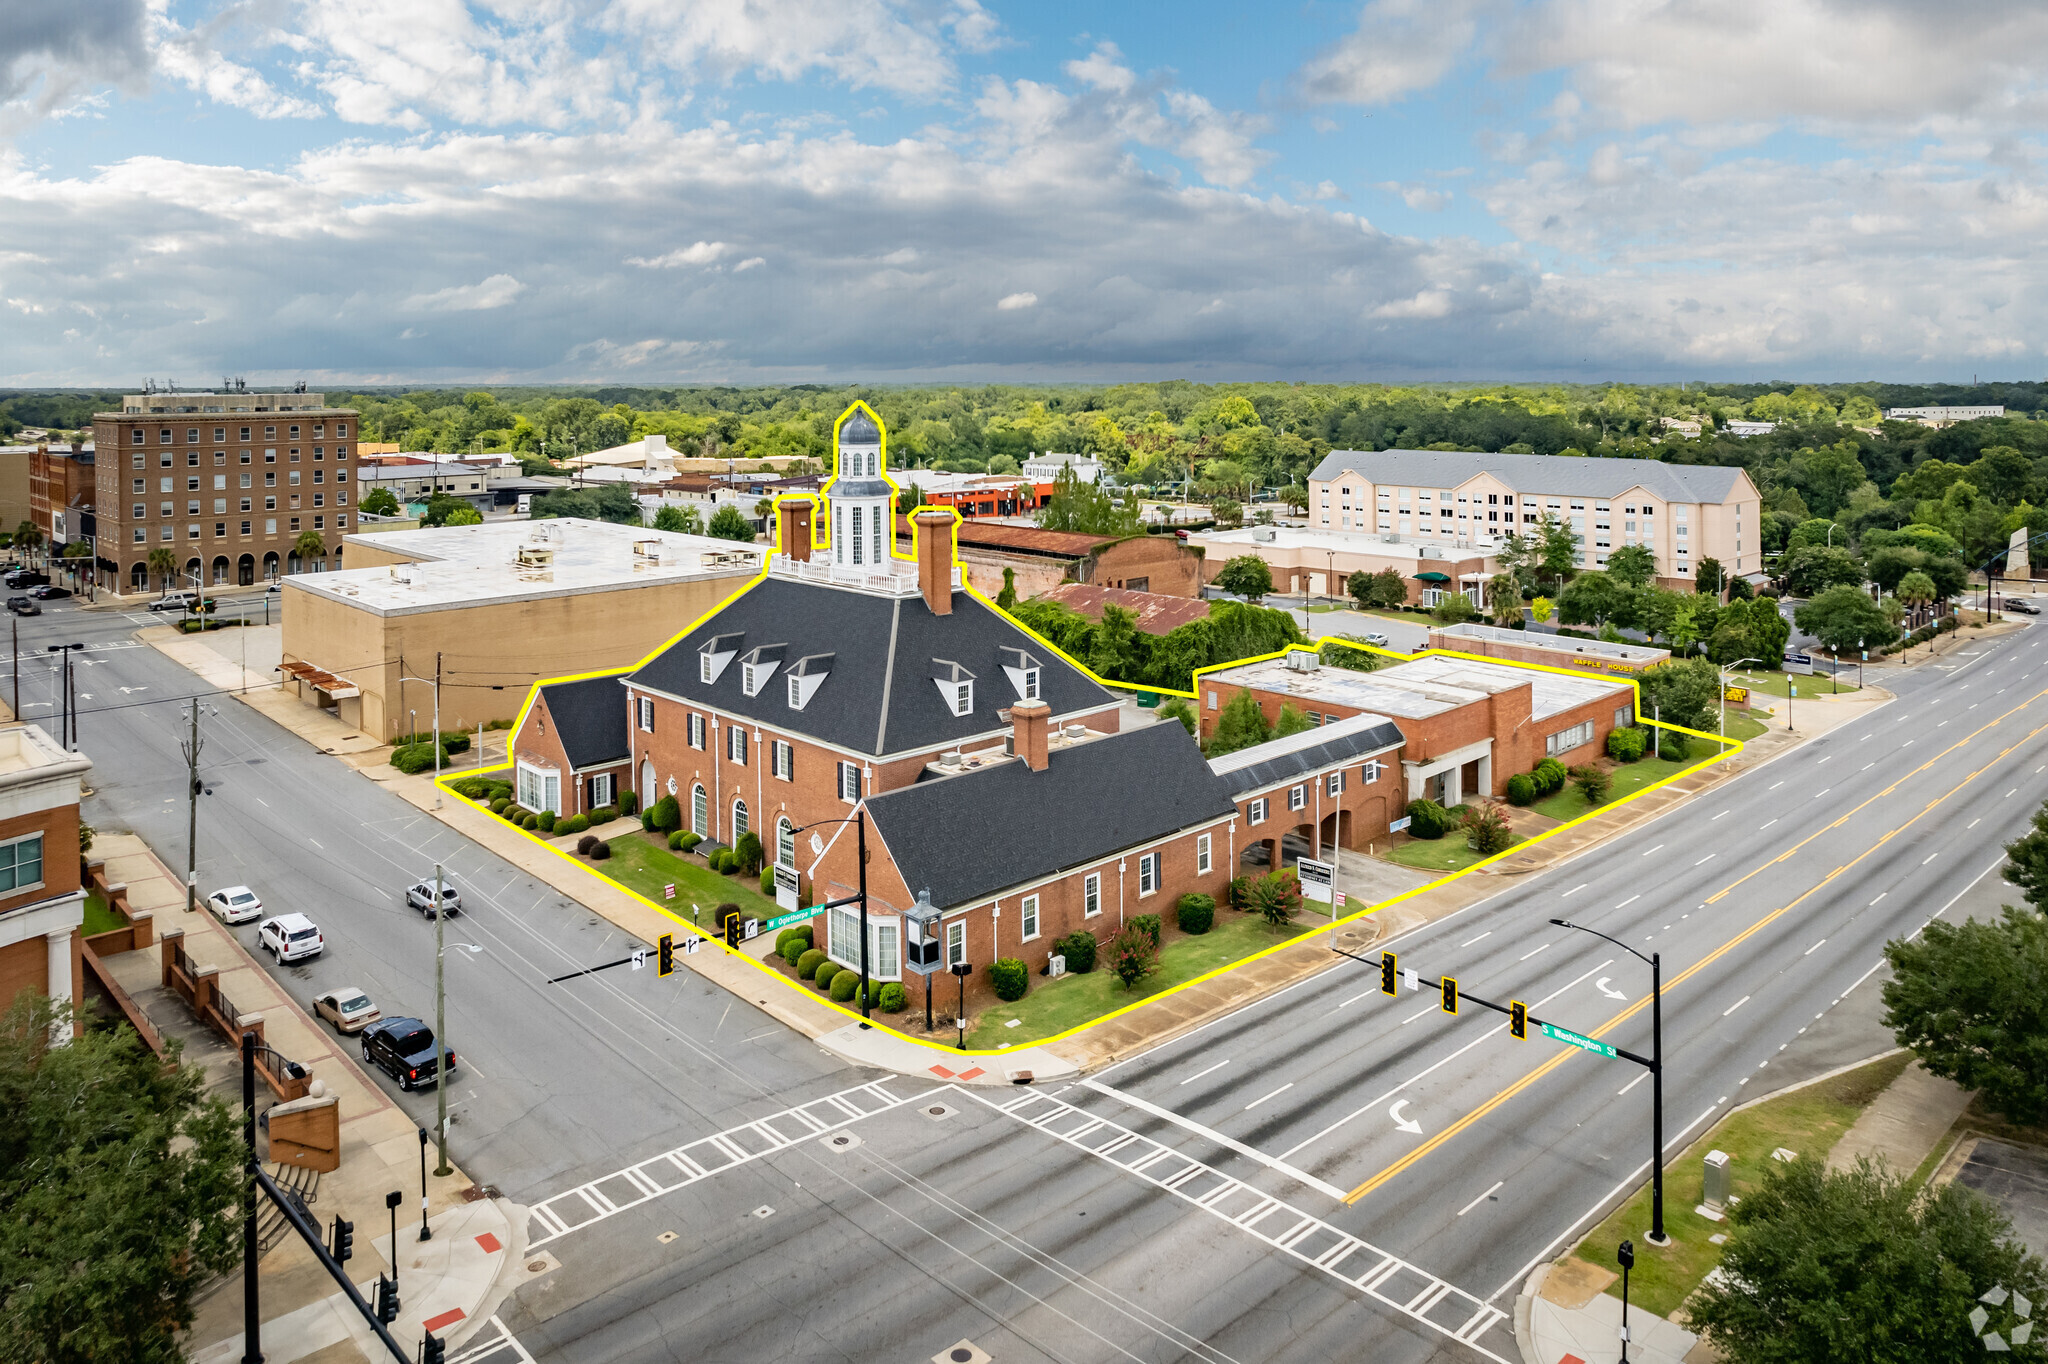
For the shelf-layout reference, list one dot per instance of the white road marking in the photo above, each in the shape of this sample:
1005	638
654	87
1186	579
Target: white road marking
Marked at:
1469	941
1736	1005
1274	1095
1526	955
1704	860
1817	764
2008	795
1434	1008
1765	825
1353	1000
1774	786
1929	858
1867	766
1813	949
1221	1064
1974	823
1629	901
1631	1084
1408	1125
1574	890
1482	1198
316	843
1210	1134
1658	848
1818	794
1717	816
1602	986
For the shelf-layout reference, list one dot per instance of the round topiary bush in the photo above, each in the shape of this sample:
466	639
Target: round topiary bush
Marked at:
843	986
1010	978
666	814
1196	913
1673	749
603	814
574	824
413	759
1521	789
647	821
585	844
890	998
498	805
1078	948
455	743
546	822
808	962
794	949
687	840
1551	775
1426	819
628	802
600	851
1625	745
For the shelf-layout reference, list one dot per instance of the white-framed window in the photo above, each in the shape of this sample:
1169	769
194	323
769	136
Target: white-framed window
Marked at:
1091	894
1148	874
538	790
956	942
1257	813
696	731
1297	797
752	675
1622	716
700	812
849	783
1202	854
21	864
602	789
1212	700
785	760
705	672
736	744
1565	740
785	842
645	705
1028	915
739	820
963	698
1372	771
1333	784
857	534
1031	684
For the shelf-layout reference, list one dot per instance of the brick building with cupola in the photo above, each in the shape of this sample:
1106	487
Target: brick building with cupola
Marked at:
998	788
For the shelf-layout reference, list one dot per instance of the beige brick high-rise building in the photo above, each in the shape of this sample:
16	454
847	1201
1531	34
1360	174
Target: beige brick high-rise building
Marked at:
227	481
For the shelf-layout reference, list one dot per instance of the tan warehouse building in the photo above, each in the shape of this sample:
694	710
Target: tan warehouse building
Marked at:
503	605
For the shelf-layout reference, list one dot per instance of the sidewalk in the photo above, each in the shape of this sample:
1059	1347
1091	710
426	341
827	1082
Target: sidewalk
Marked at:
1904	1124
1566	1317
380	1147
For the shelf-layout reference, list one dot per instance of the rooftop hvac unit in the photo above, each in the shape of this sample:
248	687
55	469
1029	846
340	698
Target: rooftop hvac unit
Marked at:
1265	533
1302	661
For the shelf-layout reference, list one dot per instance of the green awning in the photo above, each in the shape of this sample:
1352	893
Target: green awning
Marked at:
1432	577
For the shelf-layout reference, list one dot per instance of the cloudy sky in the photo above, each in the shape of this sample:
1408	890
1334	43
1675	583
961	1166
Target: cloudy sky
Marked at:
793	190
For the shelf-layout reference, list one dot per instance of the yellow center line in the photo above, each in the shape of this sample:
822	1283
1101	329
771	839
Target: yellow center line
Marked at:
1427	1147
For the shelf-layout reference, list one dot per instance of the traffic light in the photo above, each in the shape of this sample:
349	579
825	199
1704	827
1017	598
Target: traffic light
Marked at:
1389	974
1450	988
1518	1020
667	950
344	1240
433	1350
387	1300
732	929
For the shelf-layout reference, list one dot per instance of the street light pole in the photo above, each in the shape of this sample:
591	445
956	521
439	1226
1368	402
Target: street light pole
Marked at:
1655	961
860	828
1724	691
191	747
441	1041
252	1317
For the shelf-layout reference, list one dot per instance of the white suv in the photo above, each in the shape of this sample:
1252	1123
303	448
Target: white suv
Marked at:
291	937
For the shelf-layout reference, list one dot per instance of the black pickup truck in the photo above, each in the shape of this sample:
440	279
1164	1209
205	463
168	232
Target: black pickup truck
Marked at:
404	1049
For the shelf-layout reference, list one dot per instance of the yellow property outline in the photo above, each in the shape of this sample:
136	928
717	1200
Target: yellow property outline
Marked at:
1730	747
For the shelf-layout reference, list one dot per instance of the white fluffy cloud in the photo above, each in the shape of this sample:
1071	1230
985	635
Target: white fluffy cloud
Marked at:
496	292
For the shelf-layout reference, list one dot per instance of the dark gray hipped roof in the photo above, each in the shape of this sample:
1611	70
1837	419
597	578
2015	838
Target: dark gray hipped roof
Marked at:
590	719
967	837
1280	760
878	696
1565	476
858	430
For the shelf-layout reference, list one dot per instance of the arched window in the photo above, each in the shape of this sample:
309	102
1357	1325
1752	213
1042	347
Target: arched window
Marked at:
785	842
739	820
700	812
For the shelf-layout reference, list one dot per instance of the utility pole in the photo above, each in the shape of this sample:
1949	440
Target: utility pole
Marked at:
437	750
15	623
440	1031
252	1318
191	747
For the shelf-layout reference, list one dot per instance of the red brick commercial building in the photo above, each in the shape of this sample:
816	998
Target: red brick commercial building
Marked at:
1548	650
1157	613
42	905
1040	560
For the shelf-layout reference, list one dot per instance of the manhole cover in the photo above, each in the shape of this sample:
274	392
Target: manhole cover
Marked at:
764	1211
937	1111
966	1352
666	1237
536	1266
839	1141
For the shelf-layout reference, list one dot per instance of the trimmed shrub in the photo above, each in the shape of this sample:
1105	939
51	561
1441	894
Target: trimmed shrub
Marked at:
1078	948
808	961
768	882
454	743
1625	745
822	977
1521	789
688	839
675	842
529	820
1593	783
470	788
498	805
1010	978
585	844
717	861
574	824
1426	819
1239	893
603	814
1551	775
843	986
794	947
600	851
890	999
547	821
746	852
629	801
413	759
1196	913
782	940
666	814
501	788
1672	748
1276	896
647	821
1148	924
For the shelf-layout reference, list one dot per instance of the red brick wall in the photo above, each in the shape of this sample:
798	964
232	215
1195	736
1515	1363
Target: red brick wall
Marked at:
538	743
59	828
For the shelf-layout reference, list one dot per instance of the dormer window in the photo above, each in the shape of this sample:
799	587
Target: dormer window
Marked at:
713	654
759	666
1023	671
805	676
956	684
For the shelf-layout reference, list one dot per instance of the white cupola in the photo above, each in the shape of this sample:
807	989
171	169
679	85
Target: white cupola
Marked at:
861	496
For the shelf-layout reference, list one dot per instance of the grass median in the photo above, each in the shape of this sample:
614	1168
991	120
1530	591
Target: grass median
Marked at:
1053	1006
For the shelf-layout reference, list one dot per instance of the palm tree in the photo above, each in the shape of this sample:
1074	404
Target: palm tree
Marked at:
27	538
163	563
310	545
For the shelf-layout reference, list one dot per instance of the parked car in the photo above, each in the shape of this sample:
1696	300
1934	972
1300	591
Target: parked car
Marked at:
1374	637
347	1008
291	937
49	592
22	606
235	905
174	601
2022	605
26	577
420	896
404	1049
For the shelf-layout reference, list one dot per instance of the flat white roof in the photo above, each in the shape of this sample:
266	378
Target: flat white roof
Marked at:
1561	644
1418	690
518	560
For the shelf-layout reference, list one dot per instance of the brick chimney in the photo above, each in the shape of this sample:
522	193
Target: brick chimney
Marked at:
935	563
793	528
1030	721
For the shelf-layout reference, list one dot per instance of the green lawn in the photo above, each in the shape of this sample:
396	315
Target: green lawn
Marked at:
99	916
1628	778
1053	1006
1452	852
1775	684
638	865
1745	727
1808	1121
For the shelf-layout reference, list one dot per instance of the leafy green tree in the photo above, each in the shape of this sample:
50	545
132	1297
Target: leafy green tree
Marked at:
669	517
1541	609
380	502
1247	576
1827	476
1632	565
310	548
1593	782
1971	1001
1891	563
1359	588
1116	648
1503	600
1486	828
1812	570
1916	590
692	521
1240	724
1557	551
1291	721
1007	598
1086	507
1861	1264
1685	692
1709	576
162	564
1228	512
1590	599
440	507
730	523
28	537
1844	619
1276	897
464	515
1178	708
1389	589
1455	609
1817	531
120	1190
2027	861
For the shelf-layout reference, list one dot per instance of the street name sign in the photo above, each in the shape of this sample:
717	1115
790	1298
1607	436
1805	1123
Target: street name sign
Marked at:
1557	1034
785	920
